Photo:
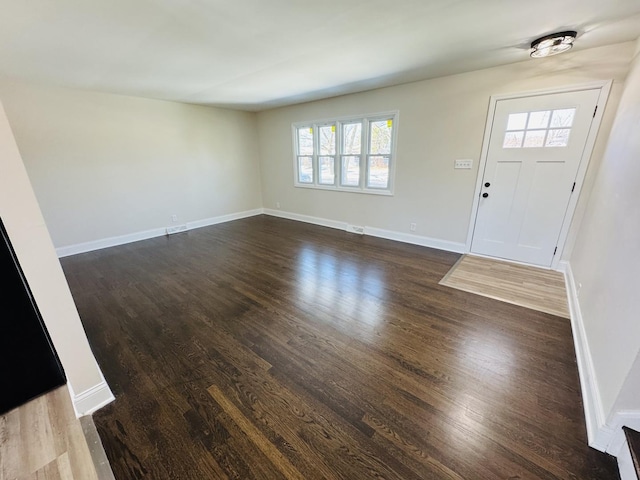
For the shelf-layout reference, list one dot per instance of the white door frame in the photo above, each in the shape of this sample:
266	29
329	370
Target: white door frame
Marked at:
605	89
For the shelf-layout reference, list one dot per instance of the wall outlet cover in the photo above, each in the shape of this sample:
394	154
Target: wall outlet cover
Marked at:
465	163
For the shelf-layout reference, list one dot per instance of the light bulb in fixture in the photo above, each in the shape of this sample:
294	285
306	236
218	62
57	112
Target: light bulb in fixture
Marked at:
552	44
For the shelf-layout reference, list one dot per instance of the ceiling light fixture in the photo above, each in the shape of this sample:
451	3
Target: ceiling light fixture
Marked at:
552	44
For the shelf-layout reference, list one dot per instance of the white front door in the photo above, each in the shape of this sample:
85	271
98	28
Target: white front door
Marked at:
534	152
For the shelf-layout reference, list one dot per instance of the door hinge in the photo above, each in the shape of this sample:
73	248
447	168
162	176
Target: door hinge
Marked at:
595	110
555	250
574	187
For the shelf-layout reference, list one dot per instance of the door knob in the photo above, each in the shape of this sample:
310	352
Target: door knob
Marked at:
487	184
485	195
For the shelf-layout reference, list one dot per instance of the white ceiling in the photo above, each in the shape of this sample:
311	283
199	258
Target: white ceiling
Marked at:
258	54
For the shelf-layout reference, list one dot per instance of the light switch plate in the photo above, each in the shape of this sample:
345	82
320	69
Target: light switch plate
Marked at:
464	163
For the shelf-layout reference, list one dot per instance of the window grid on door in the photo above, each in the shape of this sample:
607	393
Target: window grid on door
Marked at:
537	129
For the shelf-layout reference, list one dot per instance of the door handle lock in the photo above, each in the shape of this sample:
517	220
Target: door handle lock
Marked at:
485	195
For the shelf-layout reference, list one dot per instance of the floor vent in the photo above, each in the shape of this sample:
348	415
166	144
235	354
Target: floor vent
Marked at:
176	229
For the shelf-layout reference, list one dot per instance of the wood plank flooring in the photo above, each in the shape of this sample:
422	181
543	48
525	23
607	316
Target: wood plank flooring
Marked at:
266	348
531	287
43	440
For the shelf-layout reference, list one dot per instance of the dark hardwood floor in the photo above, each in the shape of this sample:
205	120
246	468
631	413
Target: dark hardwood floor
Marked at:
266	348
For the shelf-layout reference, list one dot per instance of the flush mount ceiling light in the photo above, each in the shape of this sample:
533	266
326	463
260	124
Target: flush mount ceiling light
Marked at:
552	44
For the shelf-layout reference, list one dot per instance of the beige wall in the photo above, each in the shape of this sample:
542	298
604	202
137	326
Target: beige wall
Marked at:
107	165
24	223
606	256
440	120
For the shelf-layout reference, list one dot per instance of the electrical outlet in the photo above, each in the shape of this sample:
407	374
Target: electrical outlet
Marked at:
464	163
278	205
412	227
174	218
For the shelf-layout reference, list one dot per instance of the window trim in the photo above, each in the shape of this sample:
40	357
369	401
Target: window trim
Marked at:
366	120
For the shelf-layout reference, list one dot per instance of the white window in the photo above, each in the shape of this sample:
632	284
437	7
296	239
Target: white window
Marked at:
355	154
533	129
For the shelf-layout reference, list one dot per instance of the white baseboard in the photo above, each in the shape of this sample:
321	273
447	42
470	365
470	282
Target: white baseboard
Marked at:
109	242
372	231
324	222
599	433
416	239
92	399
625	463
224	218
147	234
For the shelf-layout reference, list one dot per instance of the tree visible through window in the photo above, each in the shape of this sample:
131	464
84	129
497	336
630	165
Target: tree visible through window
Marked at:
547	128
346	154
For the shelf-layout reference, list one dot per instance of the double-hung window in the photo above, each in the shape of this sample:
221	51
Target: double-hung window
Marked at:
355	154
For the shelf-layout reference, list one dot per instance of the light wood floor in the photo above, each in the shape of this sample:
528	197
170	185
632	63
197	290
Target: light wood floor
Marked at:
43	440
531	287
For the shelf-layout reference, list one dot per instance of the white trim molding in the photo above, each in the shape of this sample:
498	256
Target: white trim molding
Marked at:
372	231
599	434
92	399
437	243
619	447
626	468
604	433
109	242
147	234
623	418
224	218
323	222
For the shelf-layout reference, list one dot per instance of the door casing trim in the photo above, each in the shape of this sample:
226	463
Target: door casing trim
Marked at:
605	90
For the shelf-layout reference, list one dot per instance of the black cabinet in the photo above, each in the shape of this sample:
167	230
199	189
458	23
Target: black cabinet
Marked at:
29	365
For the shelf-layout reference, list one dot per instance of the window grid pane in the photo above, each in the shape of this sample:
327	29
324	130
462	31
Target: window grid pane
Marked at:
346	154
305	141
513	140
534	138
350	171
378	171
380	137
563	118
326	167
352	138
517	121
538	120
305	169
545	128
327	140
558	137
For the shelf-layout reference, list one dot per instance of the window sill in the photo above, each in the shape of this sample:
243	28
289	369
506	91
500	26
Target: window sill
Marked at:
368	191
